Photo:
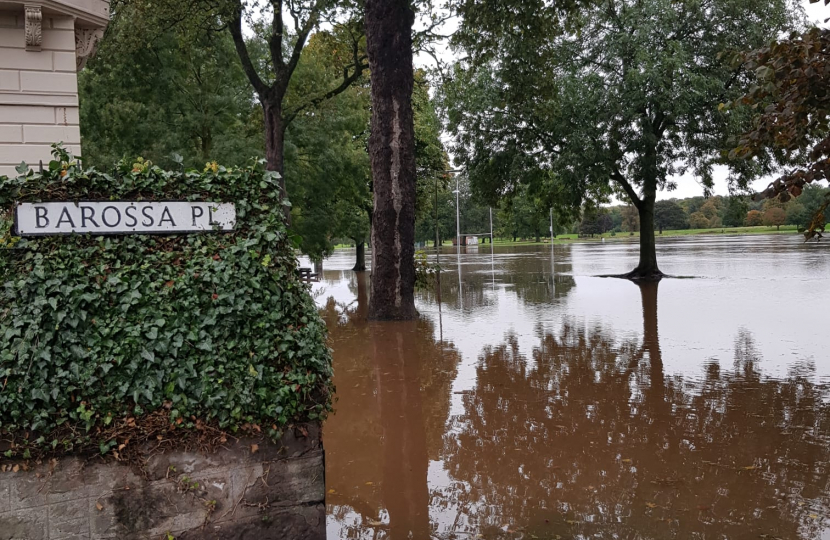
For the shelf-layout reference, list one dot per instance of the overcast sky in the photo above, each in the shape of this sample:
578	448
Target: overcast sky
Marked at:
687	186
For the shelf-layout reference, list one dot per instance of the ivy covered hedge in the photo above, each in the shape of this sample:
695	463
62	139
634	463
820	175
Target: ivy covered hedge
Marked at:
101	331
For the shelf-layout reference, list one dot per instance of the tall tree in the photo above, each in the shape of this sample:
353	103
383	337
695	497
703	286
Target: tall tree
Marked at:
670	215
621	104
286	26
326	163
392	153
735	213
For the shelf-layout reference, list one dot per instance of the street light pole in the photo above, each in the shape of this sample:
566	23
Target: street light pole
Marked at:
457	215
551	225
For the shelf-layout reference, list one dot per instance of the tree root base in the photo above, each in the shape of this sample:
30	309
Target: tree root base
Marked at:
640	277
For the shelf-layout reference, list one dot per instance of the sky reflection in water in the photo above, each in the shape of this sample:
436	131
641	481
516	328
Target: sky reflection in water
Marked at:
542	402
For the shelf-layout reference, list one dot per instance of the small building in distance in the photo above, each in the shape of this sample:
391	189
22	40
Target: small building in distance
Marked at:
43	46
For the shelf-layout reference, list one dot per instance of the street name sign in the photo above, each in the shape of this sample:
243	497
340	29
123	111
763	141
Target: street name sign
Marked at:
122	217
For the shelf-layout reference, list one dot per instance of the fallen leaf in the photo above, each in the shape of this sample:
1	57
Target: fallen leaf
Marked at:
374	523
99	506
254	448
331	491
651	505
749	468
16	468
370	483
626	460
813	516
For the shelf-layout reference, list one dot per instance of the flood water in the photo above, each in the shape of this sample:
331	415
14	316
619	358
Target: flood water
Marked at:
537	401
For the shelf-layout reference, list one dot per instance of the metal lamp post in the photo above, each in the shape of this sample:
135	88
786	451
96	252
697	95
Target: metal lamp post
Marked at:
457	214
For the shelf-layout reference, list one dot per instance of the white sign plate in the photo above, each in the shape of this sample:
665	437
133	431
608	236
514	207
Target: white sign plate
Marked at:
122	217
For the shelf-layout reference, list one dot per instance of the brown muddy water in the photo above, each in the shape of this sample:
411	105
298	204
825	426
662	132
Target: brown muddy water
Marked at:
536	401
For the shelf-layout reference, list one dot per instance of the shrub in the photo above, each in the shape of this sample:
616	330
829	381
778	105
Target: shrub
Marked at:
213	328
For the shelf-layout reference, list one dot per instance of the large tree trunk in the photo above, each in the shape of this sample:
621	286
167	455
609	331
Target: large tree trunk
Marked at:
275	146
360	263
392	152
647	268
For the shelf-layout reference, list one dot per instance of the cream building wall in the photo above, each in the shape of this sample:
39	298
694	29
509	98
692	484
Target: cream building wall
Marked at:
42	48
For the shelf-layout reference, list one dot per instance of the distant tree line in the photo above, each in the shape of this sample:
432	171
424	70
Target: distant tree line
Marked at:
720	212
526	217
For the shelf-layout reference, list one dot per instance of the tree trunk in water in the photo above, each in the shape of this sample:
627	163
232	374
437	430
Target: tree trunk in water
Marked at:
275	146
360	264
318	268
647	268
392	153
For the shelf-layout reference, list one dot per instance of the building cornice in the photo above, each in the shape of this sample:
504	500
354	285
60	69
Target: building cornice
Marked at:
87	13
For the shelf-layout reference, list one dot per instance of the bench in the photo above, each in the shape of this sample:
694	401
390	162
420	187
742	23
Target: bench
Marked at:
308	276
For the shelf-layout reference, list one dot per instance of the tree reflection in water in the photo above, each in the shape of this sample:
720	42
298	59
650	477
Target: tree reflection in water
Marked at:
590	439
585	437
394	385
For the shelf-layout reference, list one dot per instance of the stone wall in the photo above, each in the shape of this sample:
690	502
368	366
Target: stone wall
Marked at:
38	91
247	490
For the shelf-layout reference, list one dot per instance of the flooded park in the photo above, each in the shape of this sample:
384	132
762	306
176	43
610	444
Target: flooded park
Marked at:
534	399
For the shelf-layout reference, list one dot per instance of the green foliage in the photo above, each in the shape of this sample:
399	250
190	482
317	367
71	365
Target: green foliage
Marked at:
669	215
425	273
430	157
735	212
176	94
326	163
214	326
595	221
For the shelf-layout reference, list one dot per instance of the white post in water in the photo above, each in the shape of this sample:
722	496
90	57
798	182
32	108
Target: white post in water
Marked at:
551	225
492	251
491	227
457	215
